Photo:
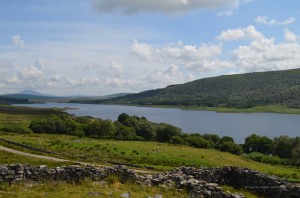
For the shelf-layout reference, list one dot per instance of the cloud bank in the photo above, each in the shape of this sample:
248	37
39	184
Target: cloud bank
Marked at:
129	7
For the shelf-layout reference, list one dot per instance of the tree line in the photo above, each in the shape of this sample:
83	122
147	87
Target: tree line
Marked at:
279	150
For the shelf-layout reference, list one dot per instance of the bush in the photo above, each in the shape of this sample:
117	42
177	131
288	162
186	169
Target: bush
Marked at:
177	140
260	157
166	131
198	142
230	147
125	133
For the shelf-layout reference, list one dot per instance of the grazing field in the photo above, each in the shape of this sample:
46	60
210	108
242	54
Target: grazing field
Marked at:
159	155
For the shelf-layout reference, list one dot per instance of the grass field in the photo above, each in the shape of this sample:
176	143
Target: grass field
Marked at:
22	116
109	189
158	155
9	158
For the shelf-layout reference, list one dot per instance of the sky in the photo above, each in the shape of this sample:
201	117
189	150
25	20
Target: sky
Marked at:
100	47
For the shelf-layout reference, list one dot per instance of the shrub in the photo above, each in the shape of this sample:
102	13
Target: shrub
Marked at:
177	140
198	142
230	147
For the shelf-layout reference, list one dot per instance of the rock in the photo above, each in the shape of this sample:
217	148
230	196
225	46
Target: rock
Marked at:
202	182
126	195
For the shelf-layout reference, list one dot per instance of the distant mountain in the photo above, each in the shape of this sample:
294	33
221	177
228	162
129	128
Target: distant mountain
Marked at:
95	99
239	91
117	95
30	94
34	93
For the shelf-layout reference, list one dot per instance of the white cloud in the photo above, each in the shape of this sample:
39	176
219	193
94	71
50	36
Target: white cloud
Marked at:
90	66
203	58
248	33
31	73
128	7
18	41
40	63
116	67
142	50
86	81
191	53
226	13
266	55
290	36
118	82
56	78
265	20
161	78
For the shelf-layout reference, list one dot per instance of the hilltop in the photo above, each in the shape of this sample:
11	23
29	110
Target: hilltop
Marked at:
231	91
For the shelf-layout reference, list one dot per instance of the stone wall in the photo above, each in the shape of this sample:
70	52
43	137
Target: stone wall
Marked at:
202	182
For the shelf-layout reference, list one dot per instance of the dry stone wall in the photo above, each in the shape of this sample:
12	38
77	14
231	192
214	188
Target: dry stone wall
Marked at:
201	182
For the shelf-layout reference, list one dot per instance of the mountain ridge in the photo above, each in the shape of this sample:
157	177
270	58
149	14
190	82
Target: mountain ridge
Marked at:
232	91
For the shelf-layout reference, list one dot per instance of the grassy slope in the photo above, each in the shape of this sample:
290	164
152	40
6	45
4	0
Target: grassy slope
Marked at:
253	89
162	156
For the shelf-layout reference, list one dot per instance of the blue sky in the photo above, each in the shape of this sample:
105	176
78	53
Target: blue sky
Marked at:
99	47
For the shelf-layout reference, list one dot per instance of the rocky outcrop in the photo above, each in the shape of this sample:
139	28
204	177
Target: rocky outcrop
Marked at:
201	182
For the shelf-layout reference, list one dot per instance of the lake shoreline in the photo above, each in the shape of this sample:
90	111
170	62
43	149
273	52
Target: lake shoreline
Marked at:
276	109
238	125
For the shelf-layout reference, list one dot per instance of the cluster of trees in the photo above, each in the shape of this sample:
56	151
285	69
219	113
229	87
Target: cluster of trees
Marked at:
131	128
280	150
259	148
238	91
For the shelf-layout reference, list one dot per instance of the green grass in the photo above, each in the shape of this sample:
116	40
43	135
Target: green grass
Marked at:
245	192
145	154
85	189
9	158
22	116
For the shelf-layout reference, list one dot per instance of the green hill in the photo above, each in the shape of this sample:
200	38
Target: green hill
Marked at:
232	91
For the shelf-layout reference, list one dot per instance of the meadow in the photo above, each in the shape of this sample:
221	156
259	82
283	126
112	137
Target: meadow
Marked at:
160	156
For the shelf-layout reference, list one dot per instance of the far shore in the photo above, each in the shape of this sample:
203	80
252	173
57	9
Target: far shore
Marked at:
259	109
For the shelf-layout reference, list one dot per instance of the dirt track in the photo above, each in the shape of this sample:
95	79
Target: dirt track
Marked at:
59	160
32	155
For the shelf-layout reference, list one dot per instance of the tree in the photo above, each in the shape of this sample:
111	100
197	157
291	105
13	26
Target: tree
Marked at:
198	142
122	117
43	126
146	130
125	133
212	137
101	129
230	147
166	131
177	140
282	146
256	143
226	139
